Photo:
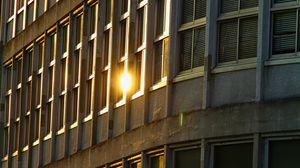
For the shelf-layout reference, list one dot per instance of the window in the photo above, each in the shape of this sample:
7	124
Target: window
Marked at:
283	153
7	106
140	47
187	157
123	47
17	112
192	34
38	90
156	160
28	79
135	162
233	155
75	66
237	35
285	28
161	43
51	49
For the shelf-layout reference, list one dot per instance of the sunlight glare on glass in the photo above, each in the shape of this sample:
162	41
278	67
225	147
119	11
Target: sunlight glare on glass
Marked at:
125	82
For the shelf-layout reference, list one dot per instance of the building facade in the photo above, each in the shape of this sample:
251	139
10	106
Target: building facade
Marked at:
214	83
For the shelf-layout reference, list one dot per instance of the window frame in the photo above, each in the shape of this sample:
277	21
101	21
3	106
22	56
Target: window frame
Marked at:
240	14
196	23
283	8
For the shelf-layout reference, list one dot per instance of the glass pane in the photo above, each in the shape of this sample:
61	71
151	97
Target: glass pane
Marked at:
138	71
283	1
248	4
229	5
157	162
123	38
78	29
284	32
65	34
51	3
107	11
61	111
93	17
233	156
91	55
30	10
40	6
140	29
52	42
124	7
88	97
20	19
104	89
41	54
75	105
106	47
248	38
48	117
187	11
188	158
158	61
199	47
200	10
9	30
284	154
160	17
50	82
228	41
63	75
186	50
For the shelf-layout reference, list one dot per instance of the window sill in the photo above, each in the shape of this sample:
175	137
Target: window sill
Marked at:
103	111
137	95
189	74
234	67
15	154
61	131
5	158
74	125
47	137
88	118
283	61
120	103
25	148
159	85
35	143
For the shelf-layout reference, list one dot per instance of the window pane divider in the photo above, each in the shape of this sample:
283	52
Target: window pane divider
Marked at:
192	25
290	7
250	14
142	4
124	16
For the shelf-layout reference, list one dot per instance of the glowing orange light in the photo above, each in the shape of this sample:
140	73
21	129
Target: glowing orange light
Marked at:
125	82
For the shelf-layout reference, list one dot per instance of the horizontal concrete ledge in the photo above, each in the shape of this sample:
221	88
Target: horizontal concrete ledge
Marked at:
235	120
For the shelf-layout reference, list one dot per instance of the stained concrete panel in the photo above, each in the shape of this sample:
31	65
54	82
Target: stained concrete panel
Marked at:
233	87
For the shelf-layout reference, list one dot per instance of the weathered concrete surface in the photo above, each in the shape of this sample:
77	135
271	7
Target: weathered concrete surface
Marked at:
235	120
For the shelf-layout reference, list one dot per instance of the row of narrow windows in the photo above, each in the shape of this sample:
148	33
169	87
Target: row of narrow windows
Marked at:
18	18
279	154
62	68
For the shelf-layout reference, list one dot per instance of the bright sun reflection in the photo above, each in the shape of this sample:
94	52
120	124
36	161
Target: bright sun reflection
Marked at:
125	82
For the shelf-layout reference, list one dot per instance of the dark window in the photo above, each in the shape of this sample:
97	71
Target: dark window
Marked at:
187	158
284	154
233	156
